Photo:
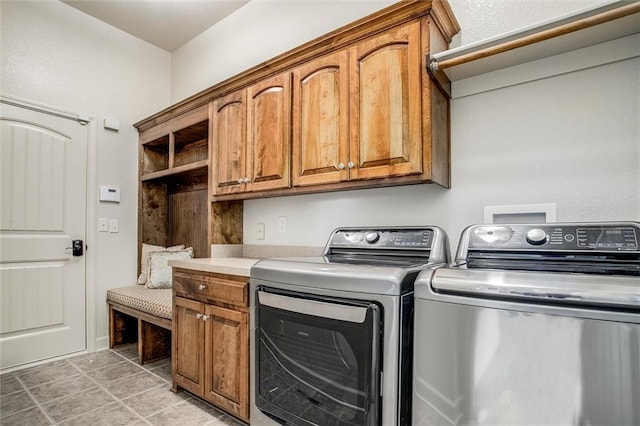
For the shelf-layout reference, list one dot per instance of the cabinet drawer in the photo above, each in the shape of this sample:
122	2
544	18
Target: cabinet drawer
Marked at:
211	288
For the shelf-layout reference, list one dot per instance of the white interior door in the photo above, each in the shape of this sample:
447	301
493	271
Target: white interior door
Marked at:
43	160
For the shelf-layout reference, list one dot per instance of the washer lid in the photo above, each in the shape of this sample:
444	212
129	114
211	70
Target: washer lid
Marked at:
544	287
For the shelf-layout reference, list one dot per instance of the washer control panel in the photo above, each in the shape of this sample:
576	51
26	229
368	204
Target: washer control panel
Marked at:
549	237
382	238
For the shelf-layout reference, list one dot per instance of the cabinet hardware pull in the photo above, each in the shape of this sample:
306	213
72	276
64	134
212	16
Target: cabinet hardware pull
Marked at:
240	180
198	316
340	166
202	287
205	317
246	180
350	165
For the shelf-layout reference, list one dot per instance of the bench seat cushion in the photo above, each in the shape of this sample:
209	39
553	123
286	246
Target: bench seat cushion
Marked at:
152	301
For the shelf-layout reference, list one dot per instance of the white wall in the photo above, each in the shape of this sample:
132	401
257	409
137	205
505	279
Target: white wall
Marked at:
260	30
564	130
488	18
53	54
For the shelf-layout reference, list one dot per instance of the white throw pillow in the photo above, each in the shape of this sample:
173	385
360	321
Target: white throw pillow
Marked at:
144	258
159	269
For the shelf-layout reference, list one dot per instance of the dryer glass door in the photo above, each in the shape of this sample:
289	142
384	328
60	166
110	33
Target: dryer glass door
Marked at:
318	358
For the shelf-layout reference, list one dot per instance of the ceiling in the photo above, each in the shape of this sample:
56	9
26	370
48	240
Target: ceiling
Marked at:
167	24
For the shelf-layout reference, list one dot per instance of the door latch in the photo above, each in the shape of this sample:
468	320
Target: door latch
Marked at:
77	248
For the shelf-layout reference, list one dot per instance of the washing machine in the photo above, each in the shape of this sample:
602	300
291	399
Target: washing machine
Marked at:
532	324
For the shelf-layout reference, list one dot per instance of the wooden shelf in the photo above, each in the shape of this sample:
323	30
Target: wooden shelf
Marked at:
192	169
587	27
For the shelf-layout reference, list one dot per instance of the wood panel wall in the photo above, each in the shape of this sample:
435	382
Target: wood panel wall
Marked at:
188	219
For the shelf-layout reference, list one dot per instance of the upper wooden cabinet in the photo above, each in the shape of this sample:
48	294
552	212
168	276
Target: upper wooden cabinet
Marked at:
357	113
230	143
321	120
251	129
386	129
268	133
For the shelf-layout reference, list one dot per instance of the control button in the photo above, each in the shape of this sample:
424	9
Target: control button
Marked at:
536	236
569	238
372	237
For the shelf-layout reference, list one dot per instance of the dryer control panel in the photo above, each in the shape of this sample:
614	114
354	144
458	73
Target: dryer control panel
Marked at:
382	238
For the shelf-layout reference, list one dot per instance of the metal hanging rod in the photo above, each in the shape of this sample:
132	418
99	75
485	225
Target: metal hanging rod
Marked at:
562	26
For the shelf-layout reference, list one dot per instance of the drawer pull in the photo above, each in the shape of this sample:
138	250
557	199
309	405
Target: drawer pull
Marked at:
198	316
202	287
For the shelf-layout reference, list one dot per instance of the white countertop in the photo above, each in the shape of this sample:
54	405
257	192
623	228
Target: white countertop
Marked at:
240	266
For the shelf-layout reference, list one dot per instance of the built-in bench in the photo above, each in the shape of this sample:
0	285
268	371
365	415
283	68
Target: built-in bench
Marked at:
142	315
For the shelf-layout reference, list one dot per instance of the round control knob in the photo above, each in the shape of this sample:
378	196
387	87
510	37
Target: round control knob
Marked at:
372	237
536	236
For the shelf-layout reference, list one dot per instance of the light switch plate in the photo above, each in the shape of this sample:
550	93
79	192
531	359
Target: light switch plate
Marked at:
114	226
103	224
260	231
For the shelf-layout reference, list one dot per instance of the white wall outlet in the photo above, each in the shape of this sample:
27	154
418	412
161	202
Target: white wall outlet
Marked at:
114	226
260	231
282	224
103	224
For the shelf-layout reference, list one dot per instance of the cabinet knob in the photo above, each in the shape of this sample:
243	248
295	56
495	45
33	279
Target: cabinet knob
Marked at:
202	287
350	165
205	317
340	166
198	316
240	180
246	180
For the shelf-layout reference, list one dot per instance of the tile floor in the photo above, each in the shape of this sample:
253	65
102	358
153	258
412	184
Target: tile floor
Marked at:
104	388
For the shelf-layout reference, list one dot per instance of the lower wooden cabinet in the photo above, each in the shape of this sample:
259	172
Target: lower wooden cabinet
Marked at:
226	364
188	345
211	339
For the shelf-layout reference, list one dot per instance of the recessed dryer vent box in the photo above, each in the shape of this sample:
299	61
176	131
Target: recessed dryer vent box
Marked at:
520	213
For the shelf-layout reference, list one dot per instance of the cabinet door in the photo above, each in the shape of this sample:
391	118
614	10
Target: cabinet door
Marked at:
320	121
227	360
386	136
230	143
188	350
269	120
